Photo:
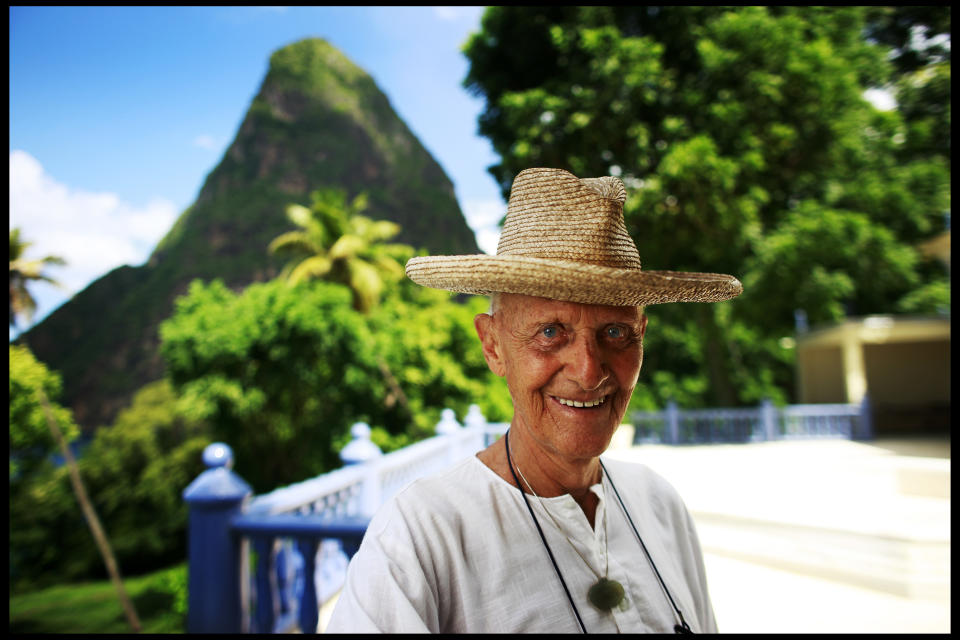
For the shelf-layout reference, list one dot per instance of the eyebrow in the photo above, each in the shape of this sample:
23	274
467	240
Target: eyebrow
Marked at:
542	321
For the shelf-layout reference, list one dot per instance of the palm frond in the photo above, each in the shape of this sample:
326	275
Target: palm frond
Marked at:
387	265
299	215
312	267
374	230
359	204
293	241
347	246
367	285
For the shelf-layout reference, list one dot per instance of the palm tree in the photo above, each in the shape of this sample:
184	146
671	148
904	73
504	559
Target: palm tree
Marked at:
90	514
22	272
336	243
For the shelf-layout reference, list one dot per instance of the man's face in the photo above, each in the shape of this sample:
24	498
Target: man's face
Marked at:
571	368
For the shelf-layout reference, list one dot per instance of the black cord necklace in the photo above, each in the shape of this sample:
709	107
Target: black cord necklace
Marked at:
683	627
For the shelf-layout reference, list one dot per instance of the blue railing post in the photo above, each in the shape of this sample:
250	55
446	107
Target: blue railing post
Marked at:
309	612
768	416
672	423
213	499
865	430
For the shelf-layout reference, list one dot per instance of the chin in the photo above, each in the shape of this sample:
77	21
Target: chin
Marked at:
589	443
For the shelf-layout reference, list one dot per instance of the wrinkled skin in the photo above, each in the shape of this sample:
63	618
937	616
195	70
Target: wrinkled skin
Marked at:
552	354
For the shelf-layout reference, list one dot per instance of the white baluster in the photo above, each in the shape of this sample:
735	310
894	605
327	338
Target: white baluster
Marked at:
449	427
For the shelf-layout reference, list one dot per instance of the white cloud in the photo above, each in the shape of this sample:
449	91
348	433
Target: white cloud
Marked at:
450	14
487	239
205	142
93	232
446	13
483	213
484	217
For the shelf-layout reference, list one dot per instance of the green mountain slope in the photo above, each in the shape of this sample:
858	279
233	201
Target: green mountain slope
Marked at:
318	120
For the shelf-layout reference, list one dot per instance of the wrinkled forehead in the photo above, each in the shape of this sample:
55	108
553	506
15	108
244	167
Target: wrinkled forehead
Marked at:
518	309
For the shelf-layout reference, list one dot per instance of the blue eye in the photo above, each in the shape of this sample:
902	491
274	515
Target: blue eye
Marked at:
549	332
615	332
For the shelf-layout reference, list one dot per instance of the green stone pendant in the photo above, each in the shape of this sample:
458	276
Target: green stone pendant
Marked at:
606	594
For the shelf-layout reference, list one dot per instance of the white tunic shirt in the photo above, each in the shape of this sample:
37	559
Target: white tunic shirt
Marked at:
458	552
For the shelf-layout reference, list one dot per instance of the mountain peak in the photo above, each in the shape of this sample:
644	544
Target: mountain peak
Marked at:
317	121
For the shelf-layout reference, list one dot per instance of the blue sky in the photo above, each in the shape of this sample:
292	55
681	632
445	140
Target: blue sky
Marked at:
117	114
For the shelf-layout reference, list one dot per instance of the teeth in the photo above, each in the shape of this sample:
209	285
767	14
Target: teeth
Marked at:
585	405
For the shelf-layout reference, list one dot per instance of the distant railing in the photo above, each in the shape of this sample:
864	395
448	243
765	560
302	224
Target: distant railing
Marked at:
753	424
304	534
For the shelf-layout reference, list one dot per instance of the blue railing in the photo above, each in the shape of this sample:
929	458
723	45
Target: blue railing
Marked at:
753	424
288	612
326	517
289	527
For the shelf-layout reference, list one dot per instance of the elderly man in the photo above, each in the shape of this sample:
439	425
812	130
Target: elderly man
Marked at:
537	533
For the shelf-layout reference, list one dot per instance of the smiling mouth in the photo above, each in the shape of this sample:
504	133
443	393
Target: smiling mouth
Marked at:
580	405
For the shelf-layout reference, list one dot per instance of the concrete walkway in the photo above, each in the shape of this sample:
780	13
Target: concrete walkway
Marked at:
819	536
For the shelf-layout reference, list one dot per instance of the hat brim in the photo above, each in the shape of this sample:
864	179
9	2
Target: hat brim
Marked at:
573	282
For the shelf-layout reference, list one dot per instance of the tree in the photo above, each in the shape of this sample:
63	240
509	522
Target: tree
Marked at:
137	469
734	130
22	273
31	399
428	339
337	244
276	371
280	372
134	471
31	443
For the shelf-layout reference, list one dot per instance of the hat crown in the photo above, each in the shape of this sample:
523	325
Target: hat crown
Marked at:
553	214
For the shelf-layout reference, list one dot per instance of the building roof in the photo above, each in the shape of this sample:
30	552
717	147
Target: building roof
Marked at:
878	329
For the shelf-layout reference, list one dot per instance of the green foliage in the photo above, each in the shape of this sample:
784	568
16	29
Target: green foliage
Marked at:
22	272
137	469
281	373
134	472
834	260
93	607
31	442
431	345
337	244
747	147
276	372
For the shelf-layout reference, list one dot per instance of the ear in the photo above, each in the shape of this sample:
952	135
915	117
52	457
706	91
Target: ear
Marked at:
643	325
489	339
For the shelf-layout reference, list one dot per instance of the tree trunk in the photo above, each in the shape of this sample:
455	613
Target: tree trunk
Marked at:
721	392
395	389
91	517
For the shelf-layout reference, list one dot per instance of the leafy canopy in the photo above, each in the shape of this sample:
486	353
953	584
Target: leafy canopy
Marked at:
135	471
747	147
31	442
281	372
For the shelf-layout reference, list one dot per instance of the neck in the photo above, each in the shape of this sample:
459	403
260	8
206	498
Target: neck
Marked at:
550	475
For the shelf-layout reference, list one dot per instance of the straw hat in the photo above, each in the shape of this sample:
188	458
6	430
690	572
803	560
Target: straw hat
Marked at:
564	238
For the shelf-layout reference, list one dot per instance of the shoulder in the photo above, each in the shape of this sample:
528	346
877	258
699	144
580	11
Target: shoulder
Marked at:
646	490
640	478
437	500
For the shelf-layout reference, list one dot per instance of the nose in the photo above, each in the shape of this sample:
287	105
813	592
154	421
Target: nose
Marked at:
585	364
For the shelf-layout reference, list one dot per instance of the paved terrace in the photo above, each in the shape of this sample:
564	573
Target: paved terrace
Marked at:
819	536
